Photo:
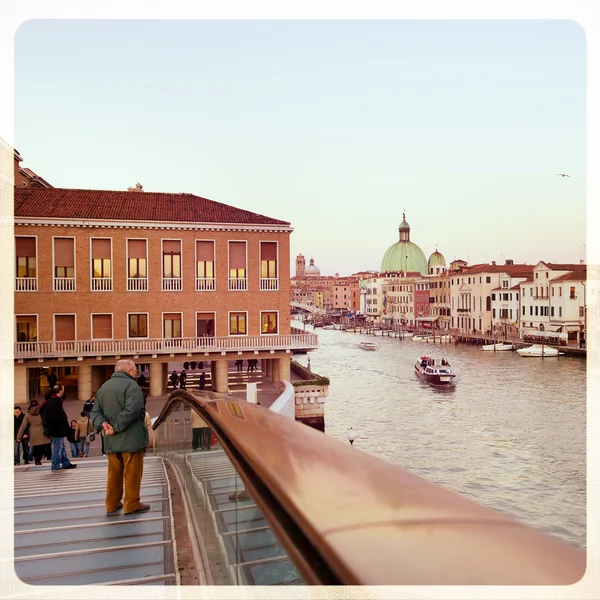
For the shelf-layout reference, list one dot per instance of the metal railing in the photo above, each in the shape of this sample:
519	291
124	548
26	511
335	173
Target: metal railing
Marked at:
26	284
205	284
64	284
172	284
137	284
238	285
269	284
344	517
49	349
102	284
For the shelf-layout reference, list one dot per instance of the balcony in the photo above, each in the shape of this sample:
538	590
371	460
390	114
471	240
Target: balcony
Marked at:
238	285
102	284
26	284
205	284
64	284
172	284
463	310
305	341
137	284
269	284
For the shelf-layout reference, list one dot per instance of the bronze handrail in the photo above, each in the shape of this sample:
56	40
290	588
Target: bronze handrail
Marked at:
346	517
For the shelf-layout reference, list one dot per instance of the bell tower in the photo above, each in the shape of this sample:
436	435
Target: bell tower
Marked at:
300	265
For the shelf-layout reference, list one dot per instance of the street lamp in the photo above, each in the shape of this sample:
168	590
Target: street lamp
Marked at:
351	435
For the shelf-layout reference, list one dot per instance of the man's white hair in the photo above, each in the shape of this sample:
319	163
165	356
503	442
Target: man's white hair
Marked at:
125	365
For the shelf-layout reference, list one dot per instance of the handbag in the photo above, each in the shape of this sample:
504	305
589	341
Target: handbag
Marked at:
92	437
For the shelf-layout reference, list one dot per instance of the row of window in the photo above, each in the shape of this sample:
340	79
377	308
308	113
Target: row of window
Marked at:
65	325
136	250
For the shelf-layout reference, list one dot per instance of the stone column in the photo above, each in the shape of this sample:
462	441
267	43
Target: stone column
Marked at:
284	368
220	376
268	367
20	387
84	382
156	379
275	374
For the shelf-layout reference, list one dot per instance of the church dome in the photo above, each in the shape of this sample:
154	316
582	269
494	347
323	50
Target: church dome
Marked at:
312	270
404	255
437	260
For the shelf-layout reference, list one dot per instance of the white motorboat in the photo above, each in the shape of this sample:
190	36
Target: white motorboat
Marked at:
497	347
540	350
328	327
367	345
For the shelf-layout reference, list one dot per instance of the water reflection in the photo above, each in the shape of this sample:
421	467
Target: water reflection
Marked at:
510	434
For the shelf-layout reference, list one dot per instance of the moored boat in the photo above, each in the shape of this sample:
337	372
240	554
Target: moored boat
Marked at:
434	370
367	345
328	327
497	347
539	350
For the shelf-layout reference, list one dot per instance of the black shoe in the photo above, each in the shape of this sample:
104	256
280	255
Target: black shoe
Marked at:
26	462
71	466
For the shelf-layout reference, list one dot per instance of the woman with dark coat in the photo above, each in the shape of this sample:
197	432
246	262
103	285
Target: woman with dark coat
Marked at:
37	439
57	428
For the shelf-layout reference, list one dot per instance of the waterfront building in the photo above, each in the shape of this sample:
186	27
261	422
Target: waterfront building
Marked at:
421	306
439	298
471	292
101	275
553	302
505	306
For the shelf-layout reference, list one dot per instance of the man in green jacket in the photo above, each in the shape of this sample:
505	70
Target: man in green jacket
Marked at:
119	410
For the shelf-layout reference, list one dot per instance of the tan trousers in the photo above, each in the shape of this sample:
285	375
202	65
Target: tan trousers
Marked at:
124	468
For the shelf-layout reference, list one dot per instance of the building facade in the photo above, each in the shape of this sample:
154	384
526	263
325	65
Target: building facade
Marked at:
102	275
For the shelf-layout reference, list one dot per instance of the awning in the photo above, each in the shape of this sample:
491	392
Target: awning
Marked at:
554	327
426	319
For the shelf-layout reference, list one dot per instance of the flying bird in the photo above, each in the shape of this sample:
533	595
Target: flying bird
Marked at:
563	175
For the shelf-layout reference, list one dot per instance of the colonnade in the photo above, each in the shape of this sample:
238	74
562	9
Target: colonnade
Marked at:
89	379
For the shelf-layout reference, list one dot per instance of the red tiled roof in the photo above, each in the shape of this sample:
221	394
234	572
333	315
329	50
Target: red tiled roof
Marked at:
561	266
62	203
579	274
513	270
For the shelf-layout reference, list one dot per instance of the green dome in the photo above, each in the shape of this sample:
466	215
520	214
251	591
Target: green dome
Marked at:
437	260
404	256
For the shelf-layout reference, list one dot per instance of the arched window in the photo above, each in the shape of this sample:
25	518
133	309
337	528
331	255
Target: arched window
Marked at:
488	303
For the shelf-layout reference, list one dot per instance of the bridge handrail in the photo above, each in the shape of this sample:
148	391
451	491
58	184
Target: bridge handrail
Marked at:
348	518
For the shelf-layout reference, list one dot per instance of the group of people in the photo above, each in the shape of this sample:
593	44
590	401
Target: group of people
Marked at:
180	381
252	365
118	412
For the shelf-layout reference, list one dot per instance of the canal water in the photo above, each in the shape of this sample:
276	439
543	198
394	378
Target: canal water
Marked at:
510	435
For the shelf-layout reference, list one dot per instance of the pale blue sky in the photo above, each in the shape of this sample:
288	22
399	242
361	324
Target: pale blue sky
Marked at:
336	126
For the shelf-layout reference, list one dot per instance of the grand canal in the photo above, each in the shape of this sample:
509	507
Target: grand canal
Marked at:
510	435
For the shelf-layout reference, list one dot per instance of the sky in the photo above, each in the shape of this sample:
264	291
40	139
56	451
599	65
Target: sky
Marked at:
335	126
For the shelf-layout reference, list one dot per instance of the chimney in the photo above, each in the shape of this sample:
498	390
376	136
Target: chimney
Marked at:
494	263
509	261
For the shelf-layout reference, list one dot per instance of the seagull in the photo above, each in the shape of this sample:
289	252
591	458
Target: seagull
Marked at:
563	175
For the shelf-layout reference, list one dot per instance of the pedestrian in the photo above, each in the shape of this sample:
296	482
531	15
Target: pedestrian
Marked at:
182	379
83	432
32	426
119	411
89	404
57	428
141	381
239	365
23	443
147	423
52	379
174	380
74	440
200	432
202	383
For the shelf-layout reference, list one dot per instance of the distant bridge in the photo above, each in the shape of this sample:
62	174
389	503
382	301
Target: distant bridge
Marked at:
315	310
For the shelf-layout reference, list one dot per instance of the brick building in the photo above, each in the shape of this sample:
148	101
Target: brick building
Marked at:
149	276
